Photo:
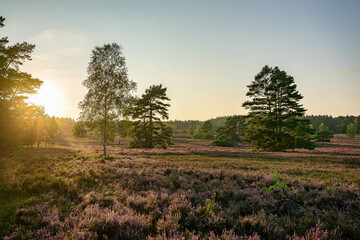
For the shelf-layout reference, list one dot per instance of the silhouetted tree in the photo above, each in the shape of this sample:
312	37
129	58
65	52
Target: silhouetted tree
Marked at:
38	128
32	130
109	91
51	130
150	109
15	87
274	110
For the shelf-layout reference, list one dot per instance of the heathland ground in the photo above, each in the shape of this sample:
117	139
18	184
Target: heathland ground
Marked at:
190	190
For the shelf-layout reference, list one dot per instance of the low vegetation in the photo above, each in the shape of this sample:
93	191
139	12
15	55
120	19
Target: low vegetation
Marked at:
191	190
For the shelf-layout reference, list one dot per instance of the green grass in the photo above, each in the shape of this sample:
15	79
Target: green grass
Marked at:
10	201
23	175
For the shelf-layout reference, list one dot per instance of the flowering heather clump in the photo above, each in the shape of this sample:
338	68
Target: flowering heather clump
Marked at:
178	197
117	222
318	233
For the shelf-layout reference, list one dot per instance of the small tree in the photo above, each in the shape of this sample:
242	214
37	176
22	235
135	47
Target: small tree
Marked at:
207	127
191	130
109	92
166	134
207	130
149	110
323	128
351	130
197	133
79	130
38	128
51	130
323	135
204	131
124	128
232	132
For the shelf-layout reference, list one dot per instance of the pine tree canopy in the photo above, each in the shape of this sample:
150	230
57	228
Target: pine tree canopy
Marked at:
274	110
150	109
15	88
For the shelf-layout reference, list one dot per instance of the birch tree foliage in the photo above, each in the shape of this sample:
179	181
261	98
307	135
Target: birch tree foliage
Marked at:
109	91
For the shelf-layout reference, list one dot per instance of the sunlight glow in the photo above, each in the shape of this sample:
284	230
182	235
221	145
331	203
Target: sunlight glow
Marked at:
51	97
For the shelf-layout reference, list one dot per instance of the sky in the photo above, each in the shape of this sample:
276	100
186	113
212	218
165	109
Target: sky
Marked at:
204	52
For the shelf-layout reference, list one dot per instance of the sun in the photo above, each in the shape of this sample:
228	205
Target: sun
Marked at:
50	97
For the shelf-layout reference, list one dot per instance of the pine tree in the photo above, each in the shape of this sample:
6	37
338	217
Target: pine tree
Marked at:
109	92
198	134
356	123
207	127
274	110
207	130
204	131
149	110
191	130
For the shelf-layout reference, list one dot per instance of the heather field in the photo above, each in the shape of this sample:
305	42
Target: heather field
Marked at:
191	190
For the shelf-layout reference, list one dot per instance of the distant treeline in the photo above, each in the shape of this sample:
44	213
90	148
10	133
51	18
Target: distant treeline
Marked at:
65	124
186	124
334	124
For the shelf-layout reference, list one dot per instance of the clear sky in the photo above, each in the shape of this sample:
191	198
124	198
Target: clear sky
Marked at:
204	52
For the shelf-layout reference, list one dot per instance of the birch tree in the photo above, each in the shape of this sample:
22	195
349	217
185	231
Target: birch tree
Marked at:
109	92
